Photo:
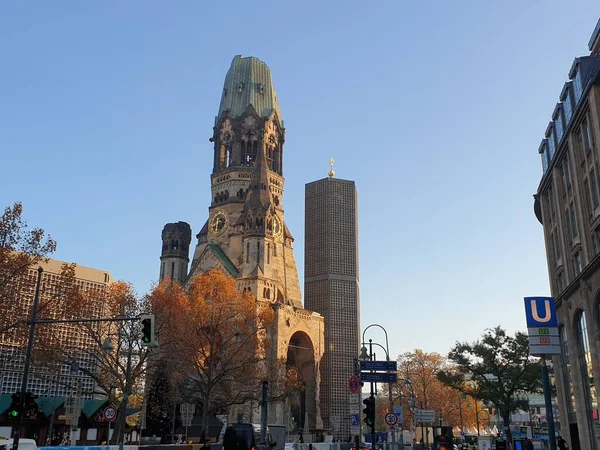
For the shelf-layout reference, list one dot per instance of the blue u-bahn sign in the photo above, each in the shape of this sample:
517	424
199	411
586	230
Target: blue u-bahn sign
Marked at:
540	312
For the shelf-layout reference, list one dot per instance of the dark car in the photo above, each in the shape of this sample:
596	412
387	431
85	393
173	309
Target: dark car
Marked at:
249	437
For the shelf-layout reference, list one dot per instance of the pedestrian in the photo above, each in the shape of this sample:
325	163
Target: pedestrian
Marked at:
562	444
528	445
230	440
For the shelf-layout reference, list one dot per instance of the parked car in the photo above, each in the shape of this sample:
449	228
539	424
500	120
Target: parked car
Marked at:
24	444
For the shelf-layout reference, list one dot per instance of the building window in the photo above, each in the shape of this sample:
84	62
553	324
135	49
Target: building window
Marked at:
588	199
247	252
586	366
573	221
545	163
578	87
268	253
577	263
594	188
558	124
587	136
556	245
560	282
567	106
551	145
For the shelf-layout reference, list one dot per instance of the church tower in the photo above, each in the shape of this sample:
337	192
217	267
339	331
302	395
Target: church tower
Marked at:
246	237
246	232
174	259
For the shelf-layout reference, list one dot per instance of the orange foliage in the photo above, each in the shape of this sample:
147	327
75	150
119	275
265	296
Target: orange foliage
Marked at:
221	336
421	368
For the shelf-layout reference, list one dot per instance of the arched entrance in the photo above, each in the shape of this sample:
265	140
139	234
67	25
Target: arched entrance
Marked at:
301	356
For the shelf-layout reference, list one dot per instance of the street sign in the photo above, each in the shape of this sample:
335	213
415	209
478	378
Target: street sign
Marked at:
353	398
110	414
399	411
354	430
355	420
379	377
540	312
425	415
379	366
542	325
354	408
354	384
391	419
544	340
543	331
187	408
186	420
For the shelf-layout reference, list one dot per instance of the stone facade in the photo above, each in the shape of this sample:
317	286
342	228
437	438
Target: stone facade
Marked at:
331	287
246	235
568	205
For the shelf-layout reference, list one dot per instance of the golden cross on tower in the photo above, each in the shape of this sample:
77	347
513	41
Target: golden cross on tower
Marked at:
331	163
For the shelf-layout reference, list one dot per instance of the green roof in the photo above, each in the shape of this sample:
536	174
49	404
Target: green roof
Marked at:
248	82
5	401
49	405
224	260
91	407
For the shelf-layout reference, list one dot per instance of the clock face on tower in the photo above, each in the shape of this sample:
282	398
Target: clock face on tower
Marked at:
218	224
277	228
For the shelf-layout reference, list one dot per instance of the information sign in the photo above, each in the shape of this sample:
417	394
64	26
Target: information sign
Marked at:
379	366
379	377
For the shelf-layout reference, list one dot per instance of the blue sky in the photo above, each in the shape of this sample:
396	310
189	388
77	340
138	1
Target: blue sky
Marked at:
435	109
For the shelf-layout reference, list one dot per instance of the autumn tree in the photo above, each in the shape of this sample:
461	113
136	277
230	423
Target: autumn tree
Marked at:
226	342
495	369
21	249
418	387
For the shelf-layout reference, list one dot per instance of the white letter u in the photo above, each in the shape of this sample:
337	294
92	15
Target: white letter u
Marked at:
534	311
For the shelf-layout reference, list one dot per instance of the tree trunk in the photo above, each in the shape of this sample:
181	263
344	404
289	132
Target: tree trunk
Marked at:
506	421
205	403
114	440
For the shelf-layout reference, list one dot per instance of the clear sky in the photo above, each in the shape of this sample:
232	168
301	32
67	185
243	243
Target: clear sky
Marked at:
436	110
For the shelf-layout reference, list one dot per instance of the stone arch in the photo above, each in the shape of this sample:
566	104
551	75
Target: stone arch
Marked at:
301	356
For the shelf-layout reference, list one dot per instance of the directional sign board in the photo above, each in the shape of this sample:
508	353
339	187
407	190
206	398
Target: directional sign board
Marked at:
424	415
379	366
542	324
355	420
399	411
379	377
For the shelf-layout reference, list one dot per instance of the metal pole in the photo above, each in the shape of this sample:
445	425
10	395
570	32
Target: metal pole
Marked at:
462	429
34	311
173	422
264	412
122	422
477	416
372	397
548	402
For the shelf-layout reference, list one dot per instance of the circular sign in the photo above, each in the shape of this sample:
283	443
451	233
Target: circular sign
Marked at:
391	419
110	413
354	384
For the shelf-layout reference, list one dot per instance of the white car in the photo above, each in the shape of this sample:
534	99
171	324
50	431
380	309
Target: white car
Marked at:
24	444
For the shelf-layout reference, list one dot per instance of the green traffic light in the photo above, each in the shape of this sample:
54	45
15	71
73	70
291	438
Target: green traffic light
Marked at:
14	413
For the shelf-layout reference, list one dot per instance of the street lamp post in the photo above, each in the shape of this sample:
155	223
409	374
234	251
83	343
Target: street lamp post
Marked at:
387	356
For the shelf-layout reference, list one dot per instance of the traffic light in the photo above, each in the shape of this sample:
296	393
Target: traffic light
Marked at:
369	411
148	330
30	406
15	407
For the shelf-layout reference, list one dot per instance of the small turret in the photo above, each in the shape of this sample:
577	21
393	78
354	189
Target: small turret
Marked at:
176	239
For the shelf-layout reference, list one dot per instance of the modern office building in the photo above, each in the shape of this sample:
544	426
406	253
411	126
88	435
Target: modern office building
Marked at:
567	203
331	288
59	380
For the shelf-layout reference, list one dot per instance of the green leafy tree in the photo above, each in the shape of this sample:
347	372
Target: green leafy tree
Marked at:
495	369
